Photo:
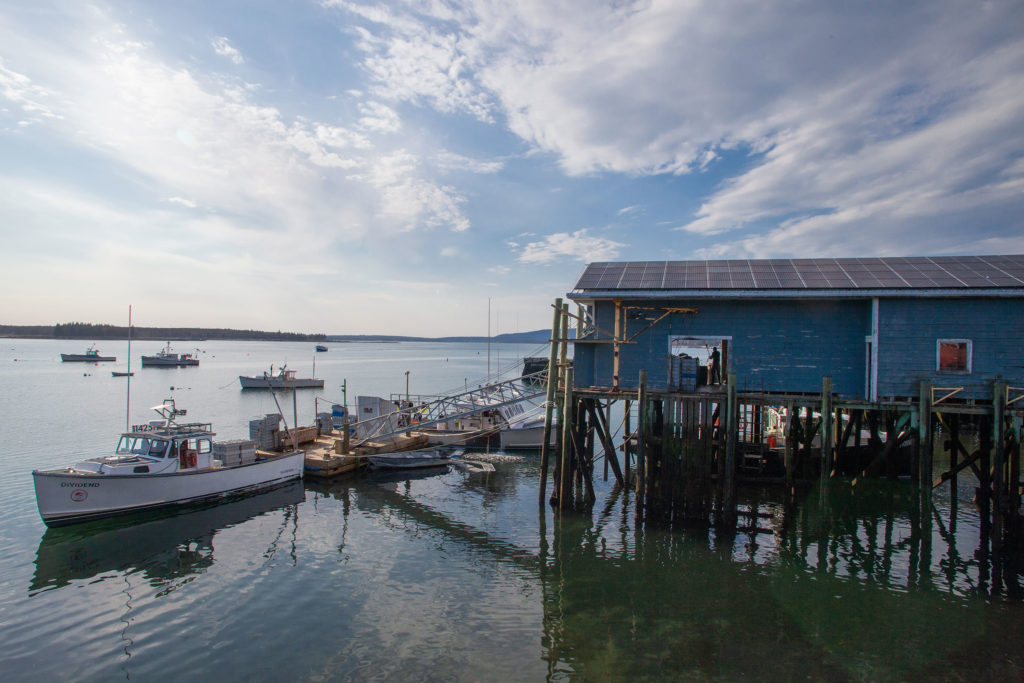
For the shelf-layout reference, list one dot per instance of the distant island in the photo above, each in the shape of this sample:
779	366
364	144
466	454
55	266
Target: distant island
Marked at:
95	332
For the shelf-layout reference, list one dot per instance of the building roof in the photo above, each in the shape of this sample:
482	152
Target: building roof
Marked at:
866	276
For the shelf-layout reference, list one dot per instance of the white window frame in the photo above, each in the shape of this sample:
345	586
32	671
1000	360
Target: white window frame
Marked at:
938	356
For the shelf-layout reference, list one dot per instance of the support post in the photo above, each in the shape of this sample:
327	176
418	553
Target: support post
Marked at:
627	448
552	380
925	442
788	452
641	439
827	430
999	459
731	426
616	336
568	444
598	418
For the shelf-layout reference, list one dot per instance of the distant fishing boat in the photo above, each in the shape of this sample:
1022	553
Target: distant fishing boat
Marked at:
91	355
321	348
284	379
115	373
165	358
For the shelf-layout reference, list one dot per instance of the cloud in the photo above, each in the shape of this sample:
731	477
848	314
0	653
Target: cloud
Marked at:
626	209
822	117
184	202
449	161
578	246
378	117
499	270
408	200
223	47
19	89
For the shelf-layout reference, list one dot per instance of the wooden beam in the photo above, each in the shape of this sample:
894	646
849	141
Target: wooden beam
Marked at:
601	427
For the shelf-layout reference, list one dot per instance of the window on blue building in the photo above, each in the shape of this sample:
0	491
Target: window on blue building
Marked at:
954	355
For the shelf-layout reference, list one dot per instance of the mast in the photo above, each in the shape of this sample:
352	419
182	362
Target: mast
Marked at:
128	378
488	340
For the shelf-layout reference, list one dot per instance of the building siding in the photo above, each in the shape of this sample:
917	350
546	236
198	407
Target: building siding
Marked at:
909	331
775	345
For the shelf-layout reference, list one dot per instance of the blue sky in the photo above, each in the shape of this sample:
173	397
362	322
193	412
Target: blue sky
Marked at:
387	168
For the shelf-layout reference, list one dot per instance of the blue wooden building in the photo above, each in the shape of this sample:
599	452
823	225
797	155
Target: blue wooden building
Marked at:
877	326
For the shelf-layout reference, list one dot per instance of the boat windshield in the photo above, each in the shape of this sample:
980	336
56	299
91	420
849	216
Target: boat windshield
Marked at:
141	445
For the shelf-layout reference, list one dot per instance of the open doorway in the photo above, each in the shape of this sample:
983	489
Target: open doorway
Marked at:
708	354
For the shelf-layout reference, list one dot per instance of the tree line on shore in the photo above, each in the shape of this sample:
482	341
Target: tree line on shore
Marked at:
76	330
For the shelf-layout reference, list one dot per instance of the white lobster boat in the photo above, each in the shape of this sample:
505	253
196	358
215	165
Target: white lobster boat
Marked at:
163	463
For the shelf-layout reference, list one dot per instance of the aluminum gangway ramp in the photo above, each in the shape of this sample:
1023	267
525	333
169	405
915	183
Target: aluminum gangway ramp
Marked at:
430	411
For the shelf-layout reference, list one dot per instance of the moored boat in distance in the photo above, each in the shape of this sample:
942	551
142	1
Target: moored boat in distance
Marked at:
91	355
165	358
284	379
321	348
159	464
116	373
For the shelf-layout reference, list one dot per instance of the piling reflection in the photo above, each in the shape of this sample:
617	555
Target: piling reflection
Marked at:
161	546
868	584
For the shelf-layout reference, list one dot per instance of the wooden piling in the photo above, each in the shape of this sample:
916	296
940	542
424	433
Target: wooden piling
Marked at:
999	457
787	461
729	481
641	438
556	325
627	437
925	441
565	470
827	436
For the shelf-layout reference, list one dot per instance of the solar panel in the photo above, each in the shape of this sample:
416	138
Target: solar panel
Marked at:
918	272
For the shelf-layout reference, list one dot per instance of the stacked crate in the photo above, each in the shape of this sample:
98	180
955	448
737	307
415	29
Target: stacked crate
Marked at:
235	453
266	432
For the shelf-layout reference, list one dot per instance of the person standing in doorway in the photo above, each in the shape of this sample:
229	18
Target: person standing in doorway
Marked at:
716	367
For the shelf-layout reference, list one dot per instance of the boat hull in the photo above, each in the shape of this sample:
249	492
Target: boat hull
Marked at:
157	362
528	438
277	383
68	498
82	358
409	460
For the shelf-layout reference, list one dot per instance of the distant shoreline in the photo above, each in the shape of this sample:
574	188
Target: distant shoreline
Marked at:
88	332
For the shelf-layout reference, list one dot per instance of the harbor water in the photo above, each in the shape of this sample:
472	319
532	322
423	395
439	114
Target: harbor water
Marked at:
454	575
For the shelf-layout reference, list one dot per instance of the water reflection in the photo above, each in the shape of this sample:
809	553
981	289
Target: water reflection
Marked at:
872	584
163	546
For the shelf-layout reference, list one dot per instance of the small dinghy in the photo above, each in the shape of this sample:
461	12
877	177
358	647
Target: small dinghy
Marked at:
427	457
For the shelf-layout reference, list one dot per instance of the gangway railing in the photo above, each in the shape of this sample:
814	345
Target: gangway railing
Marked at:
441	409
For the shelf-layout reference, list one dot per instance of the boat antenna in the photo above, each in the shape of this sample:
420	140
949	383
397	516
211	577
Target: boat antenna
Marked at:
488	339
128	378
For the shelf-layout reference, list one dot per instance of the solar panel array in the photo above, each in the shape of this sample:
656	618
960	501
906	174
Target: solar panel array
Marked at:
919	272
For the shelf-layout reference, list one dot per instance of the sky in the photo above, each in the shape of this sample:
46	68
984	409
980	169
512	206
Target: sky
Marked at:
400	167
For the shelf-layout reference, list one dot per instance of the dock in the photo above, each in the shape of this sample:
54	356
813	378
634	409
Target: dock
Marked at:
808	374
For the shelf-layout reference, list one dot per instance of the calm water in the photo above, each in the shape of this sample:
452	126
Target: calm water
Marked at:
453	576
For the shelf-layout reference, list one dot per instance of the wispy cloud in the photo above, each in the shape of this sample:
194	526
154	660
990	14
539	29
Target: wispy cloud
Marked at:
27	96
578	246
223	47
